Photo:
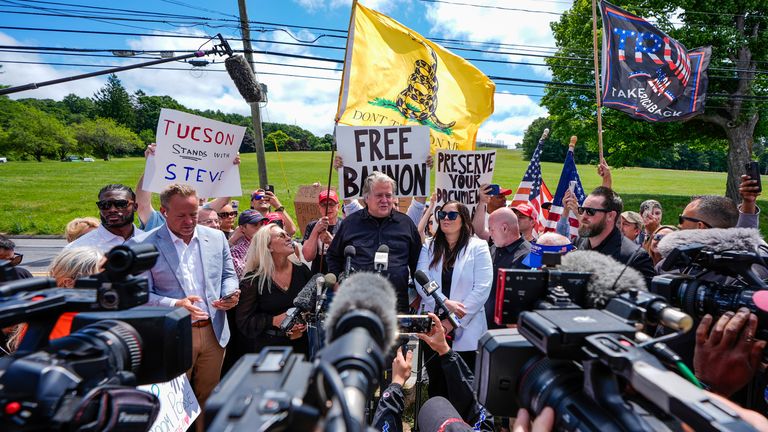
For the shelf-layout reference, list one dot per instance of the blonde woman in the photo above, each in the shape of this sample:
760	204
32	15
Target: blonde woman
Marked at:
66	268
78	227
273	278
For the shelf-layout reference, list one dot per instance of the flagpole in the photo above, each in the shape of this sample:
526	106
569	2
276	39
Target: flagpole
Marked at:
597	82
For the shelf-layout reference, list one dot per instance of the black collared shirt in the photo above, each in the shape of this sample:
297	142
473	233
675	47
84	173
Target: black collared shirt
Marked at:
509	256
622	250
366	234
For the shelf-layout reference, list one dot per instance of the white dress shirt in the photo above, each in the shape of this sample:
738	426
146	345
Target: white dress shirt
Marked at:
190	268
101	239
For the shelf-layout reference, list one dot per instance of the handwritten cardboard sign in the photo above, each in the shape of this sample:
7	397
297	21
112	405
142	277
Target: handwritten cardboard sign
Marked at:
397	151
178	404
196	151
460	173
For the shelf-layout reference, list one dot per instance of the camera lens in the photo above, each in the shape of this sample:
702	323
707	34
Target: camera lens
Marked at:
546	382
119	342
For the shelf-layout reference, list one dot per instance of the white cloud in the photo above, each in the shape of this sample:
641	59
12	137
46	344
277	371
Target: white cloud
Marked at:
512	115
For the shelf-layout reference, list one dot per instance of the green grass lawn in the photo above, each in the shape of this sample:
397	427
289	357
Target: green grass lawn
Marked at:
41	197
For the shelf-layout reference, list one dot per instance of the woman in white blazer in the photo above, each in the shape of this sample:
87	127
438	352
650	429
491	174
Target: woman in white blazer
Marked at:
461	265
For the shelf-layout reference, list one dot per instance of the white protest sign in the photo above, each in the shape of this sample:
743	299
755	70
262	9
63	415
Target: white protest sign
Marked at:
397	151
196	151
460	174
178	404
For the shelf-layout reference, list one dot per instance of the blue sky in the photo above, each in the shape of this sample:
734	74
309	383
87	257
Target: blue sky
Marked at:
306	102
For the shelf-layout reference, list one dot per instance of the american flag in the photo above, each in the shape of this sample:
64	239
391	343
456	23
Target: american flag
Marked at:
569	174
532	189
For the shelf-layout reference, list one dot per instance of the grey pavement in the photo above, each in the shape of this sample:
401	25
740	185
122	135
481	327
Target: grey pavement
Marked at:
38	252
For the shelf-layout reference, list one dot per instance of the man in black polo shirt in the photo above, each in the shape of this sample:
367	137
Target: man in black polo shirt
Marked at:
598	231
375	225
508	251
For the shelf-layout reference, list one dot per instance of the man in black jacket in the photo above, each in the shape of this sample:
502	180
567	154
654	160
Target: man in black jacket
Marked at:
379	224
598	231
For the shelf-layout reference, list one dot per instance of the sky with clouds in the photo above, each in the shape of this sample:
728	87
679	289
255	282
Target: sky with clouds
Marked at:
301	91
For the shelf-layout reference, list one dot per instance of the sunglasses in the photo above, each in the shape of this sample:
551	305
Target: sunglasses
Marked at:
590	211
257	197
681	219
658	237
276	222
451	215
119	204
223	215
16	259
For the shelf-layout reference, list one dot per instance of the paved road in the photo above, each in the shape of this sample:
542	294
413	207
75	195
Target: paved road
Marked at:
38	253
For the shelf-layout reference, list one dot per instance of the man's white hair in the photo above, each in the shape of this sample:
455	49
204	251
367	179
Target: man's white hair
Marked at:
377	177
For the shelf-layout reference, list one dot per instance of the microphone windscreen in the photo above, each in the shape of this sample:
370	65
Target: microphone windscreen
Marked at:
609	277
349	251
714	239
436	413
421	277
306	298
366	291
330	279
242	75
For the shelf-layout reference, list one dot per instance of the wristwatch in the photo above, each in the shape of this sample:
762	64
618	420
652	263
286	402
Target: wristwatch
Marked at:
279	209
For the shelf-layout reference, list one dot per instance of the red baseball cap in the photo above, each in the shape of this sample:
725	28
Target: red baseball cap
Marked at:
526	210
505	192
328	195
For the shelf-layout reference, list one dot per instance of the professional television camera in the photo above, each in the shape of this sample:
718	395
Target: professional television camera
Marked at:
85	381
582	362
279	390
714	282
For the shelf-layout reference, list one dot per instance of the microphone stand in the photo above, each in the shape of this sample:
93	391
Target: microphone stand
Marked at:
419	385
220	49
328	190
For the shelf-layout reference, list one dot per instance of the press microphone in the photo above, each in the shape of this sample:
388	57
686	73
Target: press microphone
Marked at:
381	259
430	287
360	328
349	253
304	302
613	284
329	281
242	75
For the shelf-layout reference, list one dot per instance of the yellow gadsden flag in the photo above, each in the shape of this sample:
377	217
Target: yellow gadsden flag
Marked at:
394	76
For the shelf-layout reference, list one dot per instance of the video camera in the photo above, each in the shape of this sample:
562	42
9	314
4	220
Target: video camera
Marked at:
279	390
591	366
714	283
85	381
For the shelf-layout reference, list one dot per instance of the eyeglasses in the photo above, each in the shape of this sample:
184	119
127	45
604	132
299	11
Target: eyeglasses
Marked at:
451	215
591	211
681	219
223	215
257	197
209	222
16	259
658	237
119	204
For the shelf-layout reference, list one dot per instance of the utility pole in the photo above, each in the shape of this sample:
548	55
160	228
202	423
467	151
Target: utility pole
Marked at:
258	133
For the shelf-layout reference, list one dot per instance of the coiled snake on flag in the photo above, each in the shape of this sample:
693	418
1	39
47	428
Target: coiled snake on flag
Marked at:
421	93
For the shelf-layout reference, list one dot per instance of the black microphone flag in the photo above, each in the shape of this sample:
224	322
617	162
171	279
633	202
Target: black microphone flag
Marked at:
646	73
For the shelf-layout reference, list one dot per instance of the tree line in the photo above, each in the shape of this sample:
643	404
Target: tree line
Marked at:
114	122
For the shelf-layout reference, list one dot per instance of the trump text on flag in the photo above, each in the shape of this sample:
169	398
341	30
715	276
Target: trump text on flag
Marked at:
399	152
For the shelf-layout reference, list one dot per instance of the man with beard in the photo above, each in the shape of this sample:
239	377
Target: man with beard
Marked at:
117	207
598	231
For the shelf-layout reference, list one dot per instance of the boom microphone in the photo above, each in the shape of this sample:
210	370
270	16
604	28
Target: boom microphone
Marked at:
430	287
360	328
613	284
242	75
381	259
609	277
714	239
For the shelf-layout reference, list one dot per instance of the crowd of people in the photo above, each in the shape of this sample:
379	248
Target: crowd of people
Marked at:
238	271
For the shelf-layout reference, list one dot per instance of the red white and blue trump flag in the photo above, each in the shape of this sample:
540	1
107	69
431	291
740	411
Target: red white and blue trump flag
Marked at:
646	73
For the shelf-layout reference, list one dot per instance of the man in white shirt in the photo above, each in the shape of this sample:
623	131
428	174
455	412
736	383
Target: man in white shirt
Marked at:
194	270
117	207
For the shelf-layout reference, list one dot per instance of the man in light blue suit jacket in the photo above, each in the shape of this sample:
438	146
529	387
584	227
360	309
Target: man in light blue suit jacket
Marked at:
194	270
